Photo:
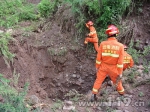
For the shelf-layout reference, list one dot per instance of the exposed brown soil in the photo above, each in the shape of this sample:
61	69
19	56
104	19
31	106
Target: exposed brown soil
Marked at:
53	60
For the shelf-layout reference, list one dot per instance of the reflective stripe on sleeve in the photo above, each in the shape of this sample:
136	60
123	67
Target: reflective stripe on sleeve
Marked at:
119	66
121	91
92	32
95	90
110	54
98	62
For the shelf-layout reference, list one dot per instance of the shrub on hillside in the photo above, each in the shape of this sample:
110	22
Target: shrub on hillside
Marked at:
13	101
47	7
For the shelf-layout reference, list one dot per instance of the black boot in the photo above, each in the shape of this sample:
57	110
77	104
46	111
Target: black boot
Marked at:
93	98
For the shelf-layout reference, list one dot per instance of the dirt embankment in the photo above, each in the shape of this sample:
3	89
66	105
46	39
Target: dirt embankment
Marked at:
52	58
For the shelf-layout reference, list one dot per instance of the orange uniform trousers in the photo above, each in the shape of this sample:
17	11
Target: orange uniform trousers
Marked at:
102	73
92	40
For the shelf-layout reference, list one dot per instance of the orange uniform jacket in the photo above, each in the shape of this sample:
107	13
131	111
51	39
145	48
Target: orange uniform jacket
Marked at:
111	52
92	37
128	61
93	34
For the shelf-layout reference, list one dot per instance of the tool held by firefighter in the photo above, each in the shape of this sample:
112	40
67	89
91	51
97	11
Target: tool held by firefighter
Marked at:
109	62
92	36
128	61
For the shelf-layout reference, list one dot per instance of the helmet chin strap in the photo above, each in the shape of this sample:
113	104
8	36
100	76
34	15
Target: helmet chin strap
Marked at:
115	35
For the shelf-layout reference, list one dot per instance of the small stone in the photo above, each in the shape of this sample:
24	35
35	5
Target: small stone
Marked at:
125	111
74	75
9	31
146	42
140	71
129	96
99	108
58	85
68	103
69	108
115	104
140	67
1	31
34	99
140	99
78	76
139	78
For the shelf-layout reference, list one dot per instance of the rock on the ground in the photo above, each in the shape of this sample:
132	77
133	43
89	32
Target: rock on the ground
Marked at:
68	105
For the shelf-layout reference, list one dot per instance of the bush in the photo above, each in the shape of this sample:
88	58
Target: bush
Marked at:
4	50
13	100
47	7
101	12
14	11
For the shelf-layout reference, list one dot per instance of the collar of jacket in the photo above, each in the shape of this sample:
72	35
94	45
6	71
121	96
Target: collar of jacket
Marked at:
112	38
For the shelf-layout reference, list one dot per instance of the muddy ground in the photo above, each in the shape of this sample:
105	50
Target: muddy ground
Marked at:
54	61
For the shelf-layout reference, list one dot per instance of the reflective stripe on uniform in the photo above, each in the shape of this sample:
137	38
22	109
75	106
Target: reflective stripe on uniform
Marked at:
119	66
98	62
92	32
110	54
126	62
121	91
95	90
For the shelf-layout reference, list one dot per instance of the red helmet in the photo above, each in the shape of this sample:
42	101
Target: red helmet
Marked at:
89	23
112	29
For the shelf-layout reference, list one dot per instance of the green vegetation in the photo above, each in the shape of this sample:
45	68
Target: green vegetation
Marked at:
4	41
101	12
47	7
13	101
57	105
137	54
15	11
141	94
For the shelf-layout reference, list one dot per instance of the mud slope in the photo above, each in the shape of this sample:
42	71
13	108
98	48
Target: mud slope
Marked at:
52	58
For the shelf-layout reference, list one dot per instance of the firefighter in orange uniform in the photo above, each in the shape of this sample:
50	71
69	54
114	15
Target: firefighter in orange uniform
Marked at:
109	61
128	61
92	36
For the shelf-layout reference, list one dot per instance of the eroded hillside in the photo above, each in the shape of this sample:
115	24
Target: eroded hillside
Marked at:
54	61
